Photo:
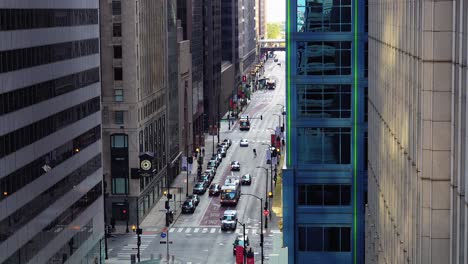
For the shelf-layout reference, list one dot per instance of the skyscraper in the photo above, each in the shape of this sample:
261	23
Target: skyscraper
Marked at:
418	210
135	92
51	200
247	35
325	175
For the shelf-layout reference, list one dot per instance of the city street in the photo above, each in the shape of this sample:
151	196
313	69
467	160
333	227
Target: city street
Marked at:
197	238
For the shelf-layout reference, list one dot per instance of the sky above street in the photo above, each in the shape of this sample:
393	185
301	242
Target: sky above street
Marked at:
276	10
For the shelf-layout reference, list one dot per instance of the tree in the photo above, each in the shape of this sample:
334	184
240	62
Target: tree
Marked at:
273	30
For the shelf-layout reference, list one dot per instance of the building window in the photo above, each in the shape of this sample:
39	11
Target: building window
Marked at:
119	141
117	29
324	58
119	185
118	95
324	16
117	52
324	194
324	101
119	117
118	74
116	8
324	238
318	145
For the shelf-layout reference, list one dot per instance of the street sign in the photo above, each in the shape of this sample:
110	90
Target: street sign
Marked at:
265	212
163	235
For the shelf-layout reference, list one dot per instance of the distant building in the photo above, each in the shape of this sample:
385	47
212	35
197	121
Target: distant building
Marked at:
51	183
324	179
247	35
135	92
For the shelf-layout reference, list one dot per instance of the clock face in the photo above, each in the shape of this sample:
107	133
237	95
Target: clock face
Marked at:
145	165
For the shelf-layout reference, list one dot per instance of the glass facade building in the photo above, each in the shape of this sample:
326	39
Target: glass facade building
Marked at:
324	178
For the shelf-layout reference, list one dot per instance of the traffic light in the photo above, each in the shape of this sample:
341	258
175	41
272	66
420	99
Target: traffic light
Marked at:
282	128
134	228
169	196
270	194
124	213
166	204
169	218
165	193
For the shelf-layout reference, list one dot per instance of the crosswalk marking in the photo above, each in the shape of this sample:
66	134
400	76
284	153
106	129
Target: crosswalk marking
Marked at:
196	230
213	230
204	230
188	230
171	230
180	230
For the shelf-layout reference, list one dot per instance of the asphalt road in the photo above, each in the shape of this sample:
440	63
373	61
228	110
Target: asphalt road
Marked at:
197	238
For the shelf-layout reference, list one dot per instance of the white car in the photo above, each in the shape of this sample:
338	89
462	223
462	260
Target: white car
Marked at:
244	143
235	166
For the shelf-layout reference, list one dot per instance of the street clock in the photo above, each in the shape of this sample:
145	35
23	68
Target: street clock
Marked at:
145	165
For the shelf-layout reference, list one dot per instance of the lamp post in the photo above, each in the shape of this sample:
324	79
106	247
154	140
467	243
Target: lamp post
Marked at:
271	167
279	120
266	193
261	221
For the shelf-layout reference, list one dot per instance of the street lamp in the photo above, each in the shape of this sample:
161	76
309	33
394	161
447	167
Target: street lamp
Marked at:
261	221
266	193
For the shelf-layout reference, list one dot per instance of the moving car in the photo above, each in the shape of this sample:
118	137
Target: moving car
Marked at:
246	179
244	143
188	207
214	190
195	199
240	242
200	188
229	220
235	166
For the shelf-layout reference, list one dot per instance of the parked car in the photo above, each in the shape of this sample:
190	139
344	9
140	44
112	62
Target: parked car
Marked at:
206	178
228	142
246	179
212	164
195	199
222	151
240	242
200	188
244	143
188	207
216	158
235	166
211	170
214	190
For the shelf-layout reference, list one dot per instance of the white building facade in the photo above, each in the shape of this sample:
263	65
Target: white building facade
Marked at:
51	202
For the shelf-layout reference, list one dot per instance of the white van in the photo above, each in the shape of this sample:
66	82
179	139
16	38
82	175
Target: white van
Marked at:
229	220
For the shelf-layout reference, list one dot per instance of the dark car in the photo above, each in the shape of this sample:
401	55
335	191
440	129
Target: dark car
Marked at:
222	151
212	164
235	166
194	198
246	179
240	242
205	178
199	188
188	207
214	190
228	142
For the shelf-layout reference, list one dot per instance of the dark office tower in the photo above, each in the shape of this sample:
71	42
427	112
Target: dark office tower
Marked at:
135	90
173	88
418	183
247	35
195	34
212	61
51	202
325	177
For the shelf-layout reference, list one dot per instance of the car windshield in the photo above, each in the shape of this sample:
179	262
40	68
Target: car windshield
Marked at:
212	187
192	197
187	203
199	185
228	218
245	177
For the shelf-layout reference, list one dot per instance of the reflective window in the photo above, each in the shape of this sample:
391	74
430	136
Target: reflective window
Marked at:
68	249
324	58
324	145
40	166
119	185
324	101
324	16
324	195
324	238
31	133
36	93
16	19
12	60
56	227
118	95
22	216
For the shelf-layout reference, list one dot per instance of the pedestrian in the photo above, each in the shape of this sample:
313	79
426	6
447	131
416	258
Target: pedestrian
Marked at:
203	152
